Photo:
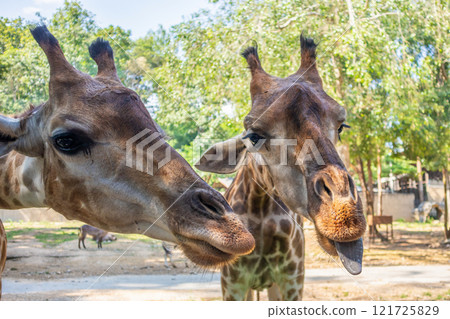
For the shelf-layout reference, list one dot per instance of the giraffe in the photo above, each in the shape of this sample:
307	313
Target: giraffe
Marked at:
287	166
70	154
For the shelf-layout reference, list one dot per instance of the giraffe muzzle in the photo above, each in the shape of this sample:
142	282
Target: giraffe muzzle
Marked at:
211	235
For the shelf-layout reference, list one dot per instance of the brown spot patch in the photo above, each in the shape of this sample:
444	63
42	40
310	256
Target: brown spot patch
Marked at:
286	226
299	249
225	271
6	189
16	186
28	182
18	161
4	204
291	293
234	274
292	267
223	283
16	202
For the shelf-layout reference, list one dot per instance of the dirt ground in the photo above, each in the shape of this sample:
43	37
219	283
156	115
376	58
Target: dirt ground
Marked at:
49	251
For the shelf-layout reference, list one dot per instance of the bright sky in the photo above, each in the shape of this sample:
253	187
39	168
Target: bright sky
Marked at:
139	16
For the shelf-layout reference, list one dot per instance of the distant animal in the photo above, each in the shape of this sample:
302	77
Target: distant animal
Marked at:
428	209
168	248
97	234
168	255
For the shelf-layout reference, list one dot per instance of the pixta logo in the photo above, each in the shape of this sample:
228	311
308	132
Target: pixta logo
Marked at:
141	149
284	152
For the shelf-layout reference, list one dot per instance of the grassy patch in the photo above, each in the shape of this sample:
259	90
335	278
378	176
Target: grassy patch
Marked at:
426	226
141	238
42	224
55	238
51	233
10	234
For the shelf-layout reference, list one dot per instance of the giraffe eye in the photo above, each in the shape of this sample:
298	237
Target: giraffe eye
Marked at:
70	143
254	138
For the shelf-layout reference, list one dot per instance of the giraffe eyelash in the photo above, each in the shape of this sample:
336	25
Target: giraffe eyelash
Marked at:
253	137
341	128
70	143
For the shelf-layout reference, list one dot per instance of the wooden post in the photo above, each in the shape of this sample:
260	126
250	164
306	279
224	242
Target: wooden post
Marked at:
370	199
446	190
362	179
380	186
419	175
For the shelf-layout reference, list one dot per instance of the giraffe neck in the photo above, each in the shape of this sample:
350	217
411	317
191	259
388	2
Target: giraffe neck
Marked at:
253	197
278	259
21	181
253	186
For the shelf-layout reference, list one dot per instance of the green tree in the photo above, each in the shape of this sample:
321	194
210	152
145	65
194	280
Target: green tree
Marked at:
23	67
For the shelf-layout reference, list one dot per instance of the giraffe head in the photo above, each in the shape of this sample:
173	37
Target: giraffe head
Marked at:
292	128
80	136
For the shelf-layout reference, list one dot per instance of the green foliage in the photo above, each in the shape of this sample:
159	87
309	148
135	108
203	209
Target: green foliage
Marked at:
374	69
398	165
24	69
387	63
19	64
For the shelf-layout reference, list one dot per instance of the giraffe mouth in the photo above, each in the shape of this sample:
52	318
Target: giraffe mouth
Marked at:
351	254
203	253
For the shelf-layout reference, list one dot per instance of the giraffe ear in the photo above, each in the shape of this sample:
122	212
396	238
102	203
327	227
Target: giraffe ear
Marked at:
21	135
225	157
9	132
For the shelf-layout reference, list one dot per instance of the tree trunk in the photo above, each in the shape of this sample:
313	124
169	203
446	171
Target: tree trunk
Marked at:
379	185
446	191
370	198
420	184
367	188
362	180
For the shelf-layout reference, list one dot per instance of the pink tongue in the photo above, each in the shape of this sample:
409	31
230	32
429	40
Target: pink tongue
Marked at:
351	254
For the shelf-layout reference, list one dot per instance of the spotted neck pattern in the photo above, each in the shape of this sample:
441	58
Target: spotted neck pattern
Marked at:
21	182
277	263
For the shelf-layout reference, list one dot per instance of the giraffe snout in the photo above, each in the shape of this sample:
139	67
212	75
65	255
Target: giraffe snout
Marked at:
337	208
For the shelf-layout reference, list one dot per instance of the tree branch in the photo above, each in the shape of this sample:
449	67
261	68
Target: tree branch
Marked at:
378	15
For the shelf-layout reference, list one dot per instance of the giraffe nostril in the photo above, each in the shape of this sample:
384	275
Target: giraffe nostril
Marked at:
352	188
327	190
322	189
207	204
